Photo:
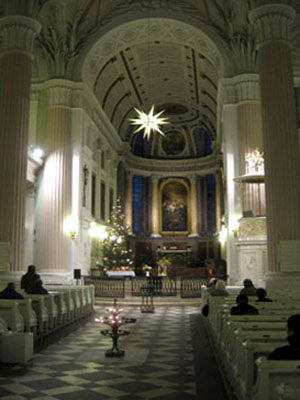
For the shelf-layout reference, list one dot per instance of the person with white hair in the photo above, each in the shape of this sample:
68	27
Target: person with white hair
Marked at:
219	289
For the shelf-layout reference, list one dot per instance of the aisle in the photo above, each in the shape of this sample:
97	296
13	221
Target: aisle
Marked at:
161	352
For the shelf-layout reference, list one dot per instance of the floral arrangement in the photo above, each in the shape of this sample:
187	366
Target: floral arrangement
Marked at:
121	269
164	261
147	267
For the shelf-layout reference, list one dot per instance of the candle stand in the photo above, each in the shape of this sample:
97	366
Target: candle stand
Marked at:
115	322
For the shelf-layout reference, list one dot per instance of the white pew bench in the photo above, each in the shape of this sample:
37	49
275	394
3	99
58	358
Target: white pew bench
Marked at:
230	354
28	314
38	305
246	367
3	327
61	305
272	374
9	311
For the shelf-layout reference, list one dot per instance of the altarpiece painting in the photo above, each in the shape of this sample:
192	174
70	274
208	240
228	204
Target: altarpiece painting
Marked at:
174	206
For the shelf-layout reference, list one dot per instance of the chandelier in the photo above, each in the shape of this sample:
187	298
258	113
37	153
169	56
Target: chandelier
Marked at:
149	122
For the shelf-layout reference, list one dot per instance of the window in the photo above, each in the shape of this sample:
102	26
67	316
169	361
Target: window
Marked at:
211	202
111	200
93	199
102	159
137	203
102	205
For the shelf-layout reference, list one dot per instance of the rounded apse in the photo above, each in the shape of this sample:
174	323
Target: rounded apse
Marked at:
173	143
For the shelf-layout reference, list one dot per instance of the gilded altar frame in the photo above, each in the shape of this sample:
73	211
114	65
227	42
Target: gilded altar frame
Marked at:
162	187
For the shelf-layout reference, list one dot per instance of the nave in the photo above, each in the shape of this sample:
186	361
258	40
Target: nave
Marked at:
167	357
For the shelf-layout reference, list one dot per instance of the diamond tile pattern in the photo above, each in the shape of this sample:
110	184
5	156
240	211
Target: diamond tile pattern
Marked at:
158	362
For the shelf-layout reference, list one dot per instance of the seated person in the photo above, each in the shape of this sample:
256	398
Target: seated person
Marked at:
10	292
292	350
212	282
38	288
261	295
242	306
28	279
219	289
249	289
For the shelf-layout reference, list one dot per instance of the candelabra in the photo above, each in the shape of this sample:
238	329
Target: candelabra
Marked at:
115	322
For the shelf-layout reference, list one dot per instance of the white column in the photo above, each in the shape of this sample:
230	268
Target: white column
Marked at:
55	222
155	203
282	165
194	206
228	120
17	36
129	202
250	136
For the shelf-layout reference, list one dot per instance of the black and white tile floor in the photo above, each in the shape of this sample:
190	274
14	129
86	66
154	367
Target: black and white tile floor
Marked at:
159	362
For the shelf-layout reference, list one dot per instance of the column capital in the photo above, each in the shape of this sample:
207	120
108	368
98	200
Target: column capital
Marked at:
272	22
59	92
247	87
18	32
155	178
244	87
193	178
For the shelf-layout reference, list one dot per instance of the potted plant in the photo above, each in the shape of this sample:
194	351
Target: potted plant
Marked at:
147	268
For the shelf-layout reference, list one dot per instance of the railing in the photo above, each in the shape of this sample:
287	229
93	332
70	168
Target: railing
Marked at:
107	287
190	287
159	286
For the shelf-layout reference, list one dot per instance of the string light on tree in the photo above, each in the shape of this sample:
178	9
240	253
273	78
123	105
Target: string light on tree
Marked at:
116	253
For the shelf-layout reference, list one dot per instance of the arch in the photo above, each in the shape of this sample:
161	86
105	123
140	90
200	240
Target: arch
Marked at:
134	31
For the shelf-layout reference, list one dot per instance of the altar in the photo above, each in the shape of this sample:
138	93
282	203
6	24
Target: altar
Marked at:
120	274
175	255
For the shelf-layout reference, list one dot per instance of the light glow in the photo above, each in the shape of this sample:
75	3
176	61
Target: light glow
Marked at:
223	235
98	231
71	227
37	152
149	122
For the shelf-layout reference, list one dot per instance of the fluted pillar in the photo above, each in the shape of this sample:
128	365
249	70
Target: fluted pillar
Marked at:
17	35
281	146
218	202
194	206
55	220
155	202
129	202
250	137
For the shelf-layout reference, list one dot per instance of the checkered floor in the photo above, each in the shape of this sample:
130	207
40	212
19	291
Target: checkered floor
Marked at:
159	362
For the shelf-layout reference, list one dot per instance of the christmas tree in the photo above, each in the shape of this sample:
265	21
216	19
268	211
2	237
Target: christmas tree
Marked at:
115	246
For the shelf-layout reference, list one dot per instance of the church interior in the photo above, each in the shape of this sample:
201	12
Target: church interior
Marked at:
147	147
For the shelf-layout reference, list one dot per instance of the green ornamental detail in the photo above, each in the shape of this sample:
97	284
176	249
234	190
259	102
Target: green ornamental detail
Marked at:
116	253
60	49
28	8
240	36
243	45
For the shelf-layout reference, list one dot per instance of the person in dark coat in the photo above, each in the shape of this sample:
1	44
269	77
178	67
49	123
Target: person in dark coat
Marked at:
38	288
10	292
242	306
292	350
28	280
249	289
262	295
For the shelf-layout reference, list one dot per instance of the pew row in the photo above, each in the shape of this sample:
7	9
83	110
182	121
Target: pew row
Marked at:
240	340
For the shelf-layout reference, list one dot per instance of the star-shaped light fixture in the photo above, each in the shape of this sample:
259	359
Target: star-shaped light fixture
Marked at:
149	122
